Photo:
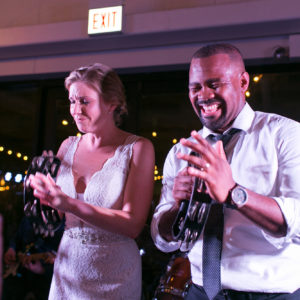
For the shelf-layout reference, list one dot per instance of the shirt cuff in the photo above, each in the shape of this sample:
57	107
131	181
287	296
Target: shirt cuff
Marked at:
289	212
159	241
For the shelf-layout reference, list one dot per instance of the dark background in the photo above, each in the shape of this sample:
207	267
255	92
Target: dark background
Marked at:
32	110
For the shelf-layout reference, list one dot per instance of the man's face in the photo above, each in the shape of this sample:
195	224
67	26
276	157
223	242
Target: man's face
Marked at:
217	87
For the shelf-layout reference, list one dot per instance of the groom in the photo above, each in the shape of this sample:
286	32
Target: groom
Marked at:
255	187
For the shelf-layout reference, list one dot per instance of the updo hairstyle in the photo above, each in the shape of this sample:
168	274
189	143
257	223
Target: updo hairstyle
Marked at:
106	82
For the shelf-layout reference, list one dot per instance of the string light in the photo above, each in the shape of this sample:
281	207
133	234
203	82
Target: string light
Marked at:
18	178
156	174
10	152
247	94
154	133
8	176
8	179
174	141
4	188
257	78
65	122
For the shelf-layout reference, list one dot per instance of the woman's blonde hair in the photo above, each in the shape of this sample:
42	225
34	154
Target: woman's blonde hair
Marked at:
106	82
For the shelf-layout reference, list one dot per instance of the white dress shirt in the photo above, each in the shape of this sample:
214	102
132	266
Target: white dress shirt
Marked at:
265	158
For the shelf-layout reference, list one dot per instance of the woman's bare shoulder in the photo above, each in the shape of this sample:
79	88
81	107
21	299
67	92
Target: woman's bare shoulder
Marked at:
143	147
65	146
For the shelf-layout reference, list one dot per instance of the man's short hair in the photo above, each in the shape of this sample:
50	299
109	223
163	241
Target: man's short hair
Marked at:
222	48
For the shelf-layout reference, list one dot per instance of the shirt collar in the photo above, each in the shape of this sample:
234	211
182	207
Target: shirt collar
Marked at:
243	121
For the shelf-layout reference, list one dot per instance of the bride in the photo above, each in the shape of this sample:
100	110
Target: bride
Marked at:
104	188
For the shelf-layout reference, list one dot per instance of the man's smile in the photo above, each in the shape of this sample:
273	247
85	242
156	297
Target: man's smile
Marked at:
208	109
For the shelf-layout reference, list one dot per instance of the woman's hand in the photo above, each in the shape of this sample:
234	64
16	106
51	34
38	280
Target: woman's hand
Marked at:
45	189
47	153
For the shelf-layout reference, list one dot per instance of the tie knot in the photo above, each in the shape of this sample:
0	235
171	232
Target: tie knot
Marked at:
225	138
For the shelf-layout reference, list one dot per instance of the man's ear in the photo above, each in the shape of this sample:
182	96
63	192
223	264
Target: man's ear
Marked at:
244	81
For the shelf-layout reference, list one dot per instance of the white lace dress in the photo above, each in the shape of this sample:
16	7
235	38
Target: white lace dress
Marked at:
93	263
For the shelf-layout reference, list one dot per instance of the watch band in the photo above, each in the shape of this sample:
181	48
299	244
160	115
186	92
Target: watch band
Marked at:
228	201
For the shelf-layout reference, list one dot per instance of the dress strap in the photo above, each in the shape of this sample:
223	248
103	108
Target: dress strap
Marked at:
71	147
131	139
124	151
129	143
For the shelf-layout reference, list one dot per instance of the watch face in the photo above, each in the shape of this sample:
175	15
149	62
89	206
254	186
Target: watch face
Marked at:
239	196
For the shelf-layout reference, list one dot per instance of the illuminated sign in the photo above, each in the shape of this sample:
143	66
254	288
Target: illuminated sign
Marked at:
102	20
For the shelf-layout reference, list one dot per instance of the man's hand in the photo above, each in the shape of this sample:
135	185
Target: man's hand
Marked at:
34	266
183	185
10	256
211	166
182	189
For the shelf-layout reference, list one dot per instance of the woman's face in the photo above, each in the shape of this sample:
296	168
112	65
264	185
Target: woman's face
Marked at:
88	109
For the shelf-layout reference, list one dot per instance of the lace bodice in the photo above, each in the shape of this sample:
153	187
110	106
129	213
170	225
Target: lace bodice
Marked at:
105	188
92	263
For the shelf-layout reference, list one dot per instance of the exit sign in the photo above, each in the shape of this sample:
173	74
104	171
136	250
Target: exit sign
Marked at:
102	20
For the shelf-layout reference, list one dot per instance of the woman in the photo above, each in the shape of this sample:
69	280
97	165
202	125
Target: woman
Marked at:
104	187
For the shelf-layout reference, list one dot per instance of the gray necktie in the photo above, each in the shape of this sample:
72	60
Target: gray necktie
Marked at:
213	236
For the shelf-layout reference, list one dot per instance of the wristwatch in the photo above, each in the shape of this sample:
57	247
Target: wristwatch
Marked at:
238	197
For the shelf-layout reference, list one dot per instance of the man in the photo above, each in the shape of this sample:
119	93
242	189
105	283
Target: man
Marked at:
255	182
29	260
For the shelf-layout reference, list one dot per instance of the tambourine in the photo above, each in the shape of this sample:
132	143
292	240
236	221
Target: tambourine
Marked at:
45	219
192	215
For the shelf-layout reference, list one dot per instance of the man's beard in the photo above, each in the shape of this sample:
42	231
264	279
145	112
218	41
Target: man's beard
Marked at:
211	123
